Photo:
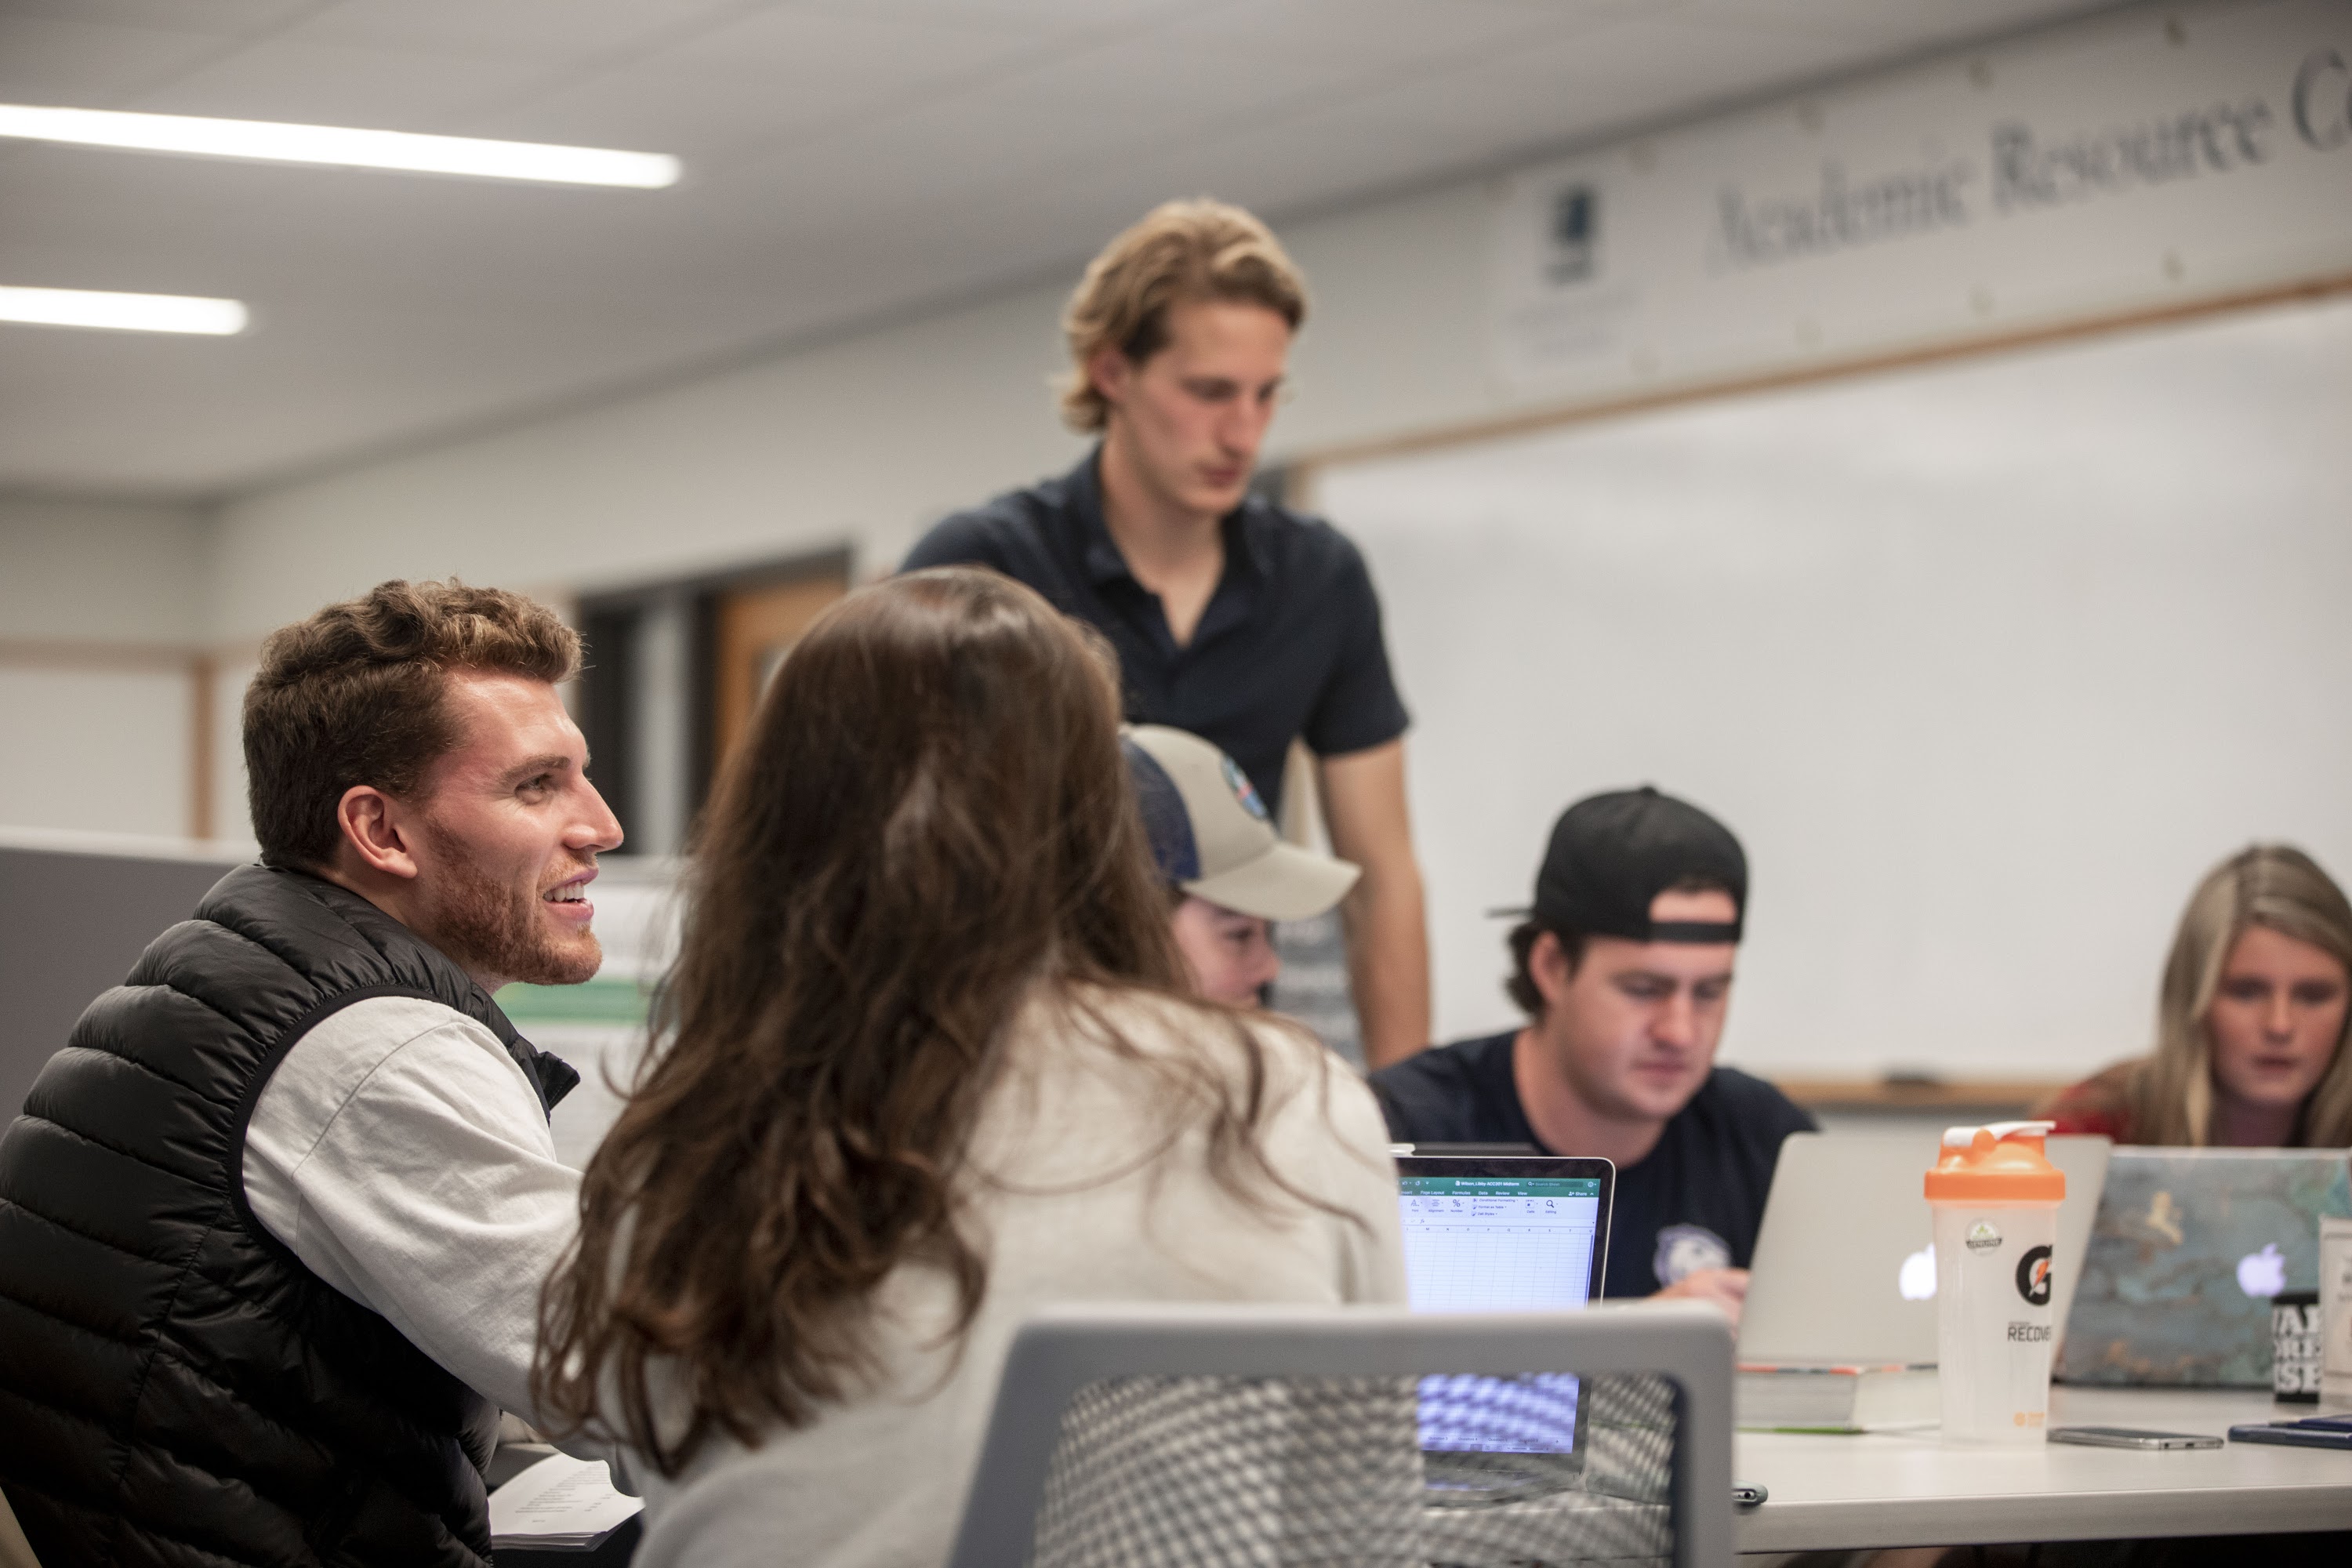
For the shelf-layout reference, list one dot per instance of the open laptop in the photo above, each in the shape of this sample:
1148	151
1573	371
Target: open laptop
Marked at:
2190	1247
1502	1234
1845	1271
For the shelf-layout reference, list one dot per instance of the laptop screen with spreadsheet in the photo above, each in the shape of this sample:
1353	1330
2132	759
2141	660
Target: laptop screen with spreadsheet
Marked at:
1502	1234
1501	1243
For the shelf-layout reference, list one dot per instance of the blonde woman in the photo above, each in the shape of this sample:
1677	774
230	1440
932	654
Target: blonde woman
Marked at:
2250	1023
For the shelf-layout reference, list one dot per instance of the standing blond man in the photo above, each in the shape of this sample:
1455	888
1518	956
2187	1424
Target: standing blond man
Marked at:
1233	617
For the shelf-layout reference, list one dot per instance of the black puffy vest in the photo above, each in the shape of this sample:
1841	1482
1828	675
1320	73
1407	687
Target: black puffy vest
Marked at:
175	1388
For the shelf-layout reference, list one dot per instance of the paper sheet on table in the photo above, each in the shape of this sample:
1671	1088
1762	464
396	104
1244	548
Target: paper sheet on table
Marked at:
559	1501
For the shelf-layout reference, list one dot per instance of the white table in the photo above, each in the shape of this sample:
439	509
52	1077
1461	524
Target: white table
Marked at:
1905	1488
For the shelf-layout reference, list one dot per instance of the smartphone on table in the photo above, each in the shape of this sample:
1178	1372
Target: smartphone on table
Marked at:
2132	1437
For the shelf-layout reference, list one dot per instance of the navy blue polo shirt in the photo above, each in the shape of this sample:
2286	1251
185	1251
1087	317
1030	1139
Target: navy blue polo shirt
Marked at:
1288	647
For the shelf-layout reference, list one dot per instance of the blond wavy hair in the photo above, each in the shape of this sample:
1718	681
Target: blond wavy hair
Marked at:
2272	885
1182	252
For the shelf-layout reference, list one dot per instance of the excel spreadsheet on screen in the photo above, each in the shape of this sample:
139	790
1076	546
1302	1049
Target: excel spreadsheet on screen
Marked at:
1499	1244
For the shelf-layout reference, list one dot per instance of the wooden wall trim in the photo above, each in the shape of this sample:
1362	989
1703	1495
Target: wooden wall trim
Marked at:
2014	1096
204	680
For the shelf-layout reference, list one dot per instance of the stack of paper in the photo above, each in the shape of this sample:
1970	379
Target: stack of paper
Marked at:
560	1504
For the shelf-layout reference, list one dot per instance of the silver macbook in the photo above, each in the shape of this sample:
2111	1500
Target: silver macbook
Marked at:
1502	1234
2190	1248
1845	1269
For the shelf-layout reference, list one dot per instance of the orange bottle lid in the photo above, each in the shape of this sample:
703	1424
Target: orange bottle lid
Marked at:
2001	1163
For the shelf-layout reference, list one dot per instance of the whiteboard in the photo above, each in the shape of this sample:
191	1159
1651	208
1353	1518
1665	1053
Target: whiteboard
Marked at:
1985	662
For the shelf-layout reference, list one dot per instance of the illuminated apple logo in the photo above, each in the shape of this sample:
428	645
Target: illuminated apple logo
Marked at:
2263	1273
1917	1278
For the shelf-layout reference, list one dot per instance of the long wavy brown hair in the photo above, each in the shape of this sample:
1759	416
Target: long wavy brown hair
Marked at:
928	827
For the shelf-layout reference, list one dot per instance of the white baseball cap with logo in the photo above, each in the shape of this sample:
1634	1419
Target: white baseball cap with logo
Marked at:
1212	837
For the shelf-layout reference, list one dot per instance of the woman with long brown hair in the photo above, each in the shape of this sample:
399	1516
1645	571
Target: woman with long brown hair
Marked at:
927	1064
2250	1019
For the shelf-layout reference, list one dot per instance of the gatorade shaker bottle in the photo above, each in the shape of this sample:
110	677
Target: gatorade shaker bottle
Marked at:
1995	1197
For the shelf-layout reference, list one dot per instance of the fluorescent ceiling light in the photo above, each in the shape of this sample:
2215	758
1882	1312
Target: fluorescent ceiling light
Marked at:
340	145
123	313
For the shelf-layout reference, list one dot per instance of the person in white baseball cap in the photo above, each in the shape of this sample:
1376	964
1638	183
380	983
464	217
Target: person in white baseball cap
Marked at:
1230	873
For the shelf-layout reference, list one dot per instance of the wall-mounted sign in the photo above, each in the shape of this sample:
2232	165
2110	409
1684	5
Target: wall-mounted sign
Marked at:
2119	166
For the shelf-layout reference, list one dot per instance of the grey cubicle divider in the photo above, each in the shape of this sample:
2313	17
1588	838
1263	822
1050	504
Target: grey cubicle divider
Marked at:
73	917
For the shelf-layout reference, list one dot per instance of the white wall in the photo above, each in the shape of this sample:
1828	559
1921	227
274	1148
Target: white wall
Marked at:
91	743
95	570
102	750
1987	663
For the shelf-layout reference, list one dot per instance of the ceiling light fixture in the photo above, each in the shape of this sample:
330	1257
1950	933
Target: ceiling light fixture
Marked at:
123	313
272	143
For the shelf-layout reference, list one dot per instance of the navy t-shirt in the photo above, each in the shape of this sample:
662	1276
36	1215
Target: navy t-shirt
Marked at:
1694	1202
1288	647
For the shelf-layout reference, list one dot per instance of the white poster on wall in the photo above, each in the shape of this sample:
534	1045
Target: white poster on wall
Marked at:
2119	167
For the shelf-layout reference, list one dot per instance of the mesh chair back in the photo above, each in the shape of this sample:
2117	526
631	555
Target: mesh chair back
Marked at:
1216	1436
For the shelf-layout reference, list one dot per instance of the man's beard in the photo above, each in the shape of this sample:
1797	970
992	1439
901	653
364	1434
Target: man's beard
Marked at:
490	928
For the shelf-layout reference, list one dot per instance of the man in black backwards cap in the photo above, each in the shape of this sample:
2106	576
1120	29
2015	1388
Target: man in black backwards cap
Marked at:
1624	966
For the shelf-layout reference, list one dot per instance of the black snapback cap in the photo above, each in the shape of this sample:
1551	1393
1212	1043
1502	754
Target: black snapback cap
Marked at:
1611	855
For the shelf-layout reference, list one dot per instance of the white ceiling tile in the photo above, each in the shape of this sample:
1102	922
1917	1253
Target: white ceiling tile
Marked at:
225	17
110	221
1917	23
1383	35
1458	120
1133	100
1112	104
1048	18
742	89
882	54
987	139
533	29
1678	65
1885	20
45	59
1329	156
340	84
1135	92
698	116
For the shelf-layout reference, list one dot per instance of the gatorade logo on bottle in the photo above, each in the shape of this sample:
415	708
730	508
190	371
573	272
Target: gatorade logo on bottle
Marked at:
2033	1277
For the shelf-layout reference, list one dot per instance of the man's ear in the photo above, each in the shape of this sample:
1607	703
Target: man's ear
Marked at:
373	830
1110	372
1548	966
